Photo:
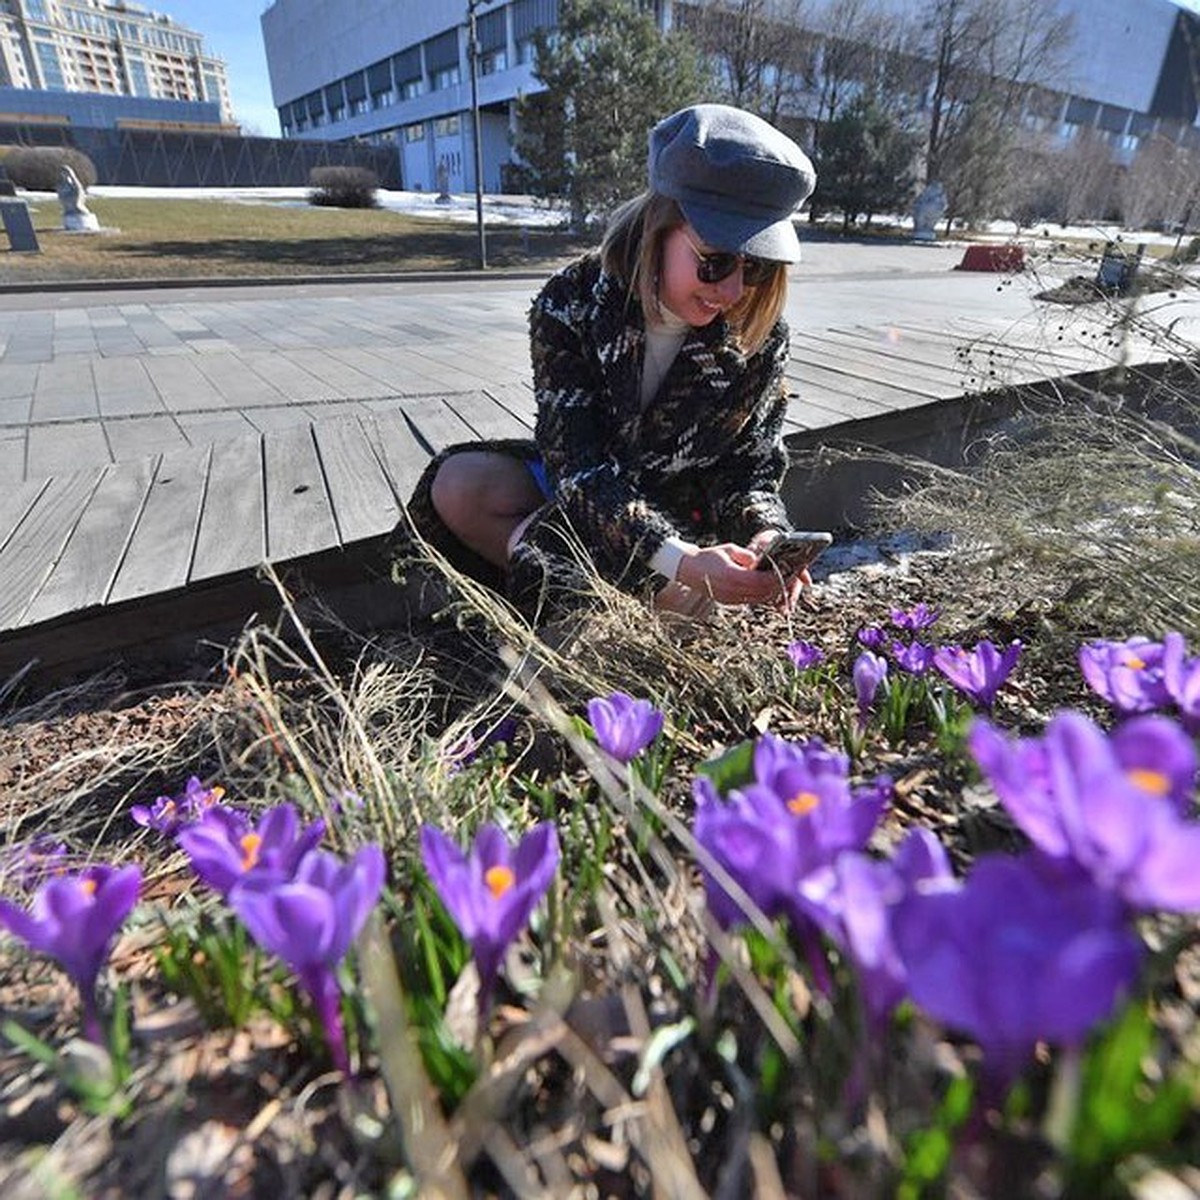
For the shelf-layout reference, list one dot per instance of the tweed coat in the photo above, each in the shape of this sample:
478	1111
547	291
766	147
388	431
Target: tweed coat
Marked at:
702	460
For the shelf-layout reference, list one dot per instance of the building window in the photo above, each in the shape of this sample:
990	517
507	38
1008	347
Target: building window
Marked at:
445	78
138	77
495	60
384	99
337	113
446	126
412	88
526	51
414	133
51	66
35	10
361	106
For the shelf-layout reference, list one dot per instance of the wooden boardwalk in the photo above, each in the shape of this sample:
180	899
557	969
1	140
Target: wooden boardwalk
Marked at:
120	546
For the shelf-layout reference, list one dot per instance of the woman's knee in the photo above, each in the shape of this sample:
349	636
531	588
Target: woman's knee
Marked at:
472	486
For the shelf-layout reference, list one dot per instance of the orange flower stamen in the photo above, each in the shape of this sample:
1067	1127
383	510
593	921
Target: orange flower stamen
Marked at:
1154	782
803	803
499	880
250	844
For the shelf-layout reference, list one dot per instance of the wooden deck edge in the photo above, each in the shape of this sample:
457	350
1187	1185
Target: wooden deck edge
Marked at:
191	626
866	459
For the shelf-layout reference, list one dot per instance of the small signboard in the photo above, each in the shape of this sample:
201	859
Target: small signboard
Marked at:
18	224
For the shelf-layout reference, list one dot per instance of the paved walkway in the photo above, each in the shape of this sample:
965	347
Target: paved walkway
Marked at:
93	377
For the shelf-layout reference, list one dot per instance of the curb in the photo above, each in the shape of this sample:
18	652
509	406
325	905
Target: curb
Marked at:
209	281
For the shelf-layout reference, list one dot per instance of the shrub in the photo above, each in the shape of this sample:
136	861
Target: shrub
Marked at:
37	167
343	187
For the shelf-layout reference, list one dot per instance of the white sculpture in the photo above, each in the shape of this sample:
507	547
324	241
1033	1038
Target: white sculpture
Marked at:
77	217
928	209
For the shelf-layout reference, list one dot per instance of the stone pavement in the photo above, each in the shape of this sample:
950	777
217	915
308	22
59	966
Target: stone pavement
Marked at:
95	377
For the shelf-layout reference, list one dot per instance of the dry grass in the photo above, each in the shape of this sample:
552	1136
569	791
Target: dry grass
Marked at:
170	238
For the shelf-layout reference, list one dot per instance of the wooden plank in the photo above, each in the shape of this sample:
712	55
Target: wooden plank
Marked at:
16	501
436	423
62	448
871	380
84	573
518	399
402	456
359	490
487	418
30	555
299	515
844	396
159	555
881	351
232	531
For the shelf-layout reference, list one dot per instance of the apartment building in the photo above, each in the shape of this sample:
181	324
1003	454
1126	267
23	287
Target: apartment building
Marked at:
108	48
397	72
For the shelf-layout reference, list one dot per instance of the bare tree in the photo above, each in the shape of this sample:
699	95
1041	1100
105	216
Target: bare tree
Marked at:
988	59
761	48
1086	176
863	51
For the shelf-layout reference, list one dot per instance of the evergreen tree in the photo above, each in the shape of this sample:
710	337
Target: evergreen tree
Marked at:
609	77
866	162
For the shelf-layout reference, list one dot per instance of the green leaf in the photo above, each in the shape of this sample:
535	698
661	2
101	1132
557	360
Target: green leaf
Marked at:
733	769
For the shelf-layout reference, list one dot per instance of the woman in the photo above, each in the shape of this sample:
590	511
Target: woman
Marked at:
658	373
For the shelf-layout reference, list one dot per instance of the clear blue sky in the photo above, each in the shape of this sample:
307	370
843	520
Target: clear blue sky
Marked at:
232	31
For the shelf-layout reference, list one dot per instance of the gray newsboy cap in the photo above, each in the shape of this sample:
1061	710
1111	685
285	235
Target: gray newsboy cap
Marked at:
737	178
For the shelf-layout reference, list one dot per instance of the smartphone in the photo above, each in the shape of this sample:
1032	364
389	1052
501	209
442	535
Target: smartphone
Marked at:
790	553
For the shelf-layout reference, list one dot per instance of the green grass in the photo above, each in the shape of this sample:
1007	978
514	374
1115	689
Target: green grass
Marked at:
170	239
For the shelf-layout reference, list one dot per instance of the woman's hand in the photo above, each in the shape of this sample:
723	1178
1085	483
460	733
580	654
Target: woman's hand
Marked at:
727	573
793	585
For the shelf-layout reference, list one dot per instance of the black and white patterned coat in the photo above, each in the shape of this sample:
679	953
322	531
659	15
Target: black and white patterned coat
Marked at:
702	460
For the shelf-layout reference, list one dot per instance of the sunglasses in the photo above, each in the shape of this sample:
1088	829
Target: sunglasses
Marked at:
716	265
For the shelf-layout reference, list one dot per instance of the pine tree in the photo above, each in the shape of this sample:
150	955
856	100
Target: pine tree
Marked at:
866	162
609	76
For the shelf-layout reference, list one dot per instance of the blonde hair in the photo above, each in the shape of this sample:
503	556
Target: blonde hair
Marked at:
632	251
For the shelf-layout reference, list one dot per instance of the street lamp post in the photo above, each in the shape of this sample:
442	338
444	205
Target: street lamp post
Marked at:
473	56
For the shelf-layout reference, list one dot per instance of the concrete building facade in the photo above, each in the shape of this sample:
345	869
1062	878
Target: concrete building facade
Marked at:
110	48
397	73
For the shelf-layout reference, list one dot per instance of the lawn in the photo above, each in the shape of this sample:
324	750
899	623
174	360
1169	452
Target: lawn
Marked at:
175	238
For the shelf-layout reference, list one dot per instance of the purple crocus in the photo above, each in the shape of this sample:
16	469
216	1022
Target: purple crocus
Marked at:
1116	806
871	636
797	816
491	892
1021	953
1128	674
624	726
869	672
34	861
1181	677
916	658
805	655
73	919
473	743
225	847
168	814
309	922
978	673
914	619
852	900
